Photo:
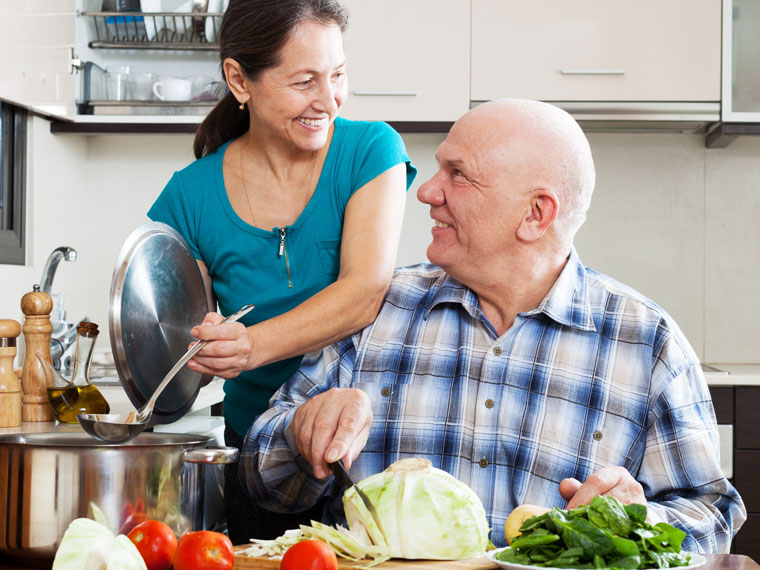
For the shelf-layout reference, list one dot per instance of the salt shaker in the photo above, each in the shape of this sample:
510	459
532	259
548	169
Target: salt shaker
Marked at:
10	387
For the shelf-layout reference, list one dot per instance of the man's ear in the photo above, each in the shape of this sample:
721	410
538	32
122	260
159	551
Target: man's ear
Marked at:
544	208
236	79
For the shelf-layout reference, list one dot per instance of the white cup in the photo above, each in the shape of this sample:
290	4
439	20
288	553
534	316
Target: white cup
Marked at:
173	89
141	85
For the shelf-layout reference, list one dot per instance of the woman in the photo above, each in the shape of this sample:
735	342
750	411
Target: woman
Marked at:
289	207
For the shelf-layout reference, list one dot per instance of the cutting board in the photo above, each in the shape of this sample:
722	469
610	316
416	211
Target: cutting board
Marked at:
266	563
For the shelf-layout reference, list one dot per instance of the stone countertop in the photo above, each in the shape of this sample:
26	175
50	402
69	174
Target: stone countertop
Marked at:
117	398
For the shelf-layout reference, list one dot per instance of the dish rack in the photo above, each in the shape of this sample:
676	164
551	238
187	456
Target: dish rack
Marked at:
154	30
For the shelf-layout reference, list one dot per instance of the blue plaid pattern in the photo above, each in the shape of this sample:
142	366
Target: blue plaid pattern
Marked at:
596	376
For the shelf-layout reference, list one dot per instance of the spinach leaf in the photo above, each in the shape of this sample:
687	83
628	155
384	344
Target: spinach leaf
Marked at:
602	535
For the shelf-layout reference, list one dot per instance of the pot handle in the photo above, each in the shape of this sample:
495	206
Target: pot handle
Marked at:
212	455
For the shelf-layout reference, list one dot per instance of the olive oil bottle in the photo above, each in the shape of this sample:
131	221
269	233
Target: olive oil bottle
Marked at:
78	396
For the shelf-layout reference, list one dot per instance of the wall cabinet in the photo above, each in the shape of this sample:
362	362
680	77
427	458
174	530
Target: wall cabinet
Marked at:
596	50
408	61
741	61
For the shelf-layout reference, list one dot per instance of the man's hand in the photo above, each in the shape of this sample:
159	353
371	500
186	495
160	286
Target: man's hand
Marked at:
610	481
331	426
226	355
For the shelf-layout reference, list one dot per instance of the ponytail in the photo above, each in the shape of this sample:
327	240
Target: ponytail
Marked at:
225	122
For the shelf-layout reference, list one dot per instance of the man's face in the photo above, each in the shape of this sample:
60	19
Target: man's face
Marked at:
473	202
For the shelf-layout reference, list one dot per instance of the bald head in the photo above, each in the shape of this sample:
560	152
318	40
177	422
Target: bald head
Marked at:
544	145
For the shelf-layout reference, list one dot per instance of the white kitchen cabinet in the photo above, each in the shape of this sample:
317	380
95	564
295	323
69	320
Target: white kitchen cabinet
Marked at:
36	46
741	61
597	50
408	60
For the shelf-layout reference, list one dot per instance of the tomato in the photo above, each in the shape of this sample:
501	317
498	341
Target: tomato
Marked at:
132	521
156	543
309	555
204	550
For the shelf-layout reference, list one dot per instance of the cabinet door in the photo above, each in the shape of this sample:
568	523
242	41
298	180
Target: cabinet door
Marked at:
36	43
596	50
408	60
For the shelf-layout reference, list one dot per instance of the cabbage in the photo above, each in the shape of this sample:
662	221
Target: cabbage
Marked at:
125	556
425	513
89	545
85	545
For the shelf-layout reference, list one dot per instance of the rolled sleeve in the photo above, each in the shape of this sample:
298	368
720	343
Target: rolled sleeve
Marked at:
681	472
275	475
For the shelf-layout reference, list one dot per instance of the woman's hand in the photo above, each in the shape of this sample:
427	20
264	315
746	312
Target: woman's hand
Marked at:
227	353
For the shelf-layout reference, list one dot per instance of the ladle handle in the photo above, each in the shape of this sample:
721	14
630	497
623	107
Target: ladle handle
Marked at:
184	360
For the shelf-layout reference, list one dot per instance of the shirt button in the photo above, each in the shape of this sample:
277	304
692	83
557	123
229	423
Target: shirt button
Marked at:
483	462
497	350
386	391
597	435
489	403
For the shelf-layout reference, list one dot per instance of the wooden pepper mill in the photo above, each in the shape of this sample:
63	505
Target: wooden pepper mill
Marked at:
10	387
36	305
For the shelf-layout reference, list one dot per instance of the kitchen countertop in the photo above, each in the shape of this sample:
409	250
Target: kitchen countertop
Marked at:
117	398
732	374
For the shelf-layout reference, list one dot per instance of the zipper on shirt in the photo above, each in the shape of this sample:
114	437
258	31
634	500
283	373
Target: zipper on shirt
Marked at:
284	251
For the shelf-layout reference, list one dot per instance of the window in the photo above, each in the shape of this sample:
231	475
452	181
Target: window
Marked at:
12	183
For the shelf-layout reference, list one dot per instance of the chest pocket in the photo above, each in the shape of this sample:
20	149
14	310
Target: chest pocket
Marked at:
329	254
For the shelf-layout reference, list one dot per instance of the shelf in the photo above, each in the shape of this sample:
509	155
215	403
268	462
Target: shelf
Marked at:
155	30
172	124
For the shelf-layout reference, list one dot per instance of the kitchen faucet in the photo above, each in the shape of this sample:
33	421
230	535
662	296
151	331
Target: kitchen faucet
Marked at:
48	272
63	336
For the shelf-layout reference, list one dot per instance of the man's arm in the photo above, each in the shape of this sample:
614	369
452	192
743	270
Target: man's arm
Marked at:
273	467
680	479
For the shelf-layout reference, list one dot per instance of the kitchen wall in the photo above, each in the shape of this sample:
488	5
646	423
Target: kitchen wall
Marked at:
669	217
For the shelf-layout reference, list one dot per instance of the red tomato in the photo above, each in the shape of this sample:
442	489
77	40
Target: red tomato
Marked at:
156	543
204	550
309	555
132	521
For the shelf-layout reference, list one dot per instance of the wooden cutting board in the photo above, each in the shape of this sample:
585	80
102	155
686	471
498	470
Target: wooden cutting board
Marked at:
266	563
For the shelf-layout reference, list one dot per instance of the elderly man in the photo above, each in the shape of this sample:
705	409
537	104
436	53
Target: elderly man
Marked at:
508	363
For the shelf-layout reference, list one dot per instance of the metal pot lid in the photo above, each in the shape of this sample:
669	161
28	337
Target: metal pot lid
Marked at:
157	296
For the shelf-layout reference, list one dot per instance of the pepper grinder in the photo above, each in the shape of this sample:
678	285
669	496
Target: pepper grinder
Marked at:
10	387
36	305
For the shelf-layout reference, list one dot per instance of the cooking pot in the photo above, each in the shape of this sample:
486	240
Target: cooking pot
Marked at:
49	479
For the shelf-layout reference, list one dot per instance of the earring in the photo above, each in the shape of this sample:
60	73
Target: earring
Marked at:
242	106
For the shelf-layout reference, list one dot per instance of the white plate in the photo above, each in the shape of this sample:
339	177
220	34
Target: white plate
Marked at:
214	7
696	561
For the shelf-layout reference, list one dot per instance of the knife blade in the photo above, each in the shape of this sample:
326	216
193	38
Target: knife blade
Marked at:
344	479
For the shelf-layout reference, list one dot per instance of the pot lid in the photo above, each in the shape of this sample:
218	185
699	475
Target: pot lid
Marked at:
157	296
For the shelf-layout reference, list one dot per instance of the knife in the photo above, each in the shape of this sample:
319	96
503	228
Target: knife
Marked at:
344	479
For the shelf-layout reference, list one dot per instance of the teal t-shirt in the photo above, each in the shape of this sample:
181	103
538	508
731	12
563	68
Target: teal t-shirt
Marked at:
246	264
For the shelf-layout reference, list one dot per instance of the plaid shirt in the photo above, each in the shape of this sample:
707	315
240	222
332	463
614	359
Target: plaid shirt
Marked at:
595	376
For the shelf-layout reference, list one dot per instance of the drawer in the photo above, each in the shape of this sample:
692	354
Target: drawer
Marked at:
723	402
746	468
747	424
746	541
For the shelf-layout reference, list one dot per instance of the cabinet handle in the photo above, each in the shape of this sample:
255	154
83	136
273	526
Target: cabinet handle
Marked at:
385	93
593	72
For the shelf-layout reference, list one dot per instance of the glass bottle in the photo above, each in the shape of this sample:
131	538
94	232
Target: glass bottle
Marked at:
77	396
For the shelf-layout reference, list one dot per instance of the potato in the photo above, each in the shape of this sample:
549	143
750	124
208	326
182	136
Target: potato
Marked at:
517	517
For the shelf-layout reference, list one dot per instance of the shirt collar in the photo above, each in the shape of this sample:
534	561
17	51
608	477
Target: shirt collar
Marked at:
567	302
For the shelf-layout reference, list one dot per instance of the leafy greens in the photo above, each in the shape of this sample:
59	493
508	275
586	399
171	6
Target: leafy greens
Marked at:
603	534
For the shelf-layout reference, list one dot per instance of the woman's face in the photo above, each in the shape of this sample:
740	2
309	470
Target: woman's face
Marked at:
298	99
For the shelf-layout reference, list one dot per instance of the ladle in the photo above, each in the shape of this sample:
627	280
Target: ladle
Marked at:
120	428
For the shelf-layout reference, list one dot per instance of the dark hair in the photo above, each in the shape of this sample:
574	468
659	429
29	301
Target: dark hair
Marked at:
252	33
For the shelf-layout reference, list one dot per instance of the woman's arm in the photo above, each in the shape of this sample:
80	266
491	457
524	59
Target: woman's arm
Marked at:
371	233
